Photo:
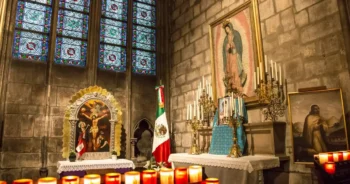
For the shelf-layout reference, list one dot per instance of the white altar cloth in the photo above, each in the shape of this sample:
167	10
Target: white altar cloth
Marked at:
64	166
247	163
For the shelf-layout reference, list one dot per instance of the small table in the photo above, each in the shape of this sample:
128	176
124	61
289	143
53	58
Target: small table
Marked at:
79	168
246	169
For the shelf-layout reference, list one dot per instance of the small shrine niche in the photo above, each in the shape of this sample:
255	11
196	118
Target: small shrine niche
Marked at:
143	136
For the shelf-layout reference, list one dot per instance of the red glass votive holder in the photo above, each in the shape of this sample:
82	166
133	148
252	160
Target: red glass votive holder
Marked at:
23	181
3	182
113	178
181	175
329	167
149	177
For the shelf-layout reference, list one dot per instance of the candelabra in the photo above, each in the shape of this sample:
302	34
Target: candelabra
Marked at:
207	106
195	125
234	123
271	92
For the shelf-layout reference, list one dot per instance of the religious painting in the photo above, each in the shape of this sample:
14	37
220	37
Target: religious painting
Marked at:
318	123
223	109
236	51
93	127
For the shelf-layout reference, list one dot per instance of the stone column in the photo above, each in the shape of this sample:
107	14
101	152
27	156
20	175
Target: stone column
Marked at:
112	148
133	144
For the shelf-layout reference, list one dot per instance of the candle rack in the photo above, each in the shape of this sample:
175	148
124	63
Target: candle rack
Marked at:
271	93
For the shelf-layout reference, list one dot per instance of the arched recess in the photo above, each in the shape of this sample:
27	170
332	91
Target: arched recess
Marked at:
95	93
143	132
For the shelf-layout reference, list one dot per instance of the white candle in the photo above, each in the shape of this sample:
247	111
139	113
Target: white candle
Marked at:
254	80
280	71
276	71
272	73
187	112
203	80
191	111
258	80
224	107
198	112
261	71
240	106
194	108
265	64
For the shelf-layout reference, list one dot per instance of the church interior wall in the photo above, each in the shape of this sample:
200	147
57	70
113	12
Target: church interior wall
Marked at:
304	36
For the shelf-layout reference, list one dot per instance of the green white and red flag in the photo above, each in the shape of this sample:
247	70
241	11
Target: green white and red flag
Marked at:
161	140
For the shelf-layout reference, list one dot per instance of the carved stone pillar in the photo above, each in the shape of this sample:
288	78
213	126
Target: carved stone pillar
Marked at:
133	144
112	148
73	126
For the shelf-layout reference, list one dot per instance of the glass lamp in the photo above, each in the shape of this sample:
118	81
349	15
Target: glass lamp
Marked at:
149	177
181	175
23	181
70	180
195	173
112	178
47	180
212	181
166	176
132	177
92	179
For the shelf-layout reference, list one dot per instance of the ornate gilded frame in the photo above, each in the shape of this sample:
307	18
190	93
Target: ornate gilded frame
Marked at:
314	93
256	39
70	121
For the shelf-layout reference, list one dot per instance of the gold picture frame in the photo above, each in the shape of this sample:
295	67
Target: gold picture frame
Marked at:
243	52
318	123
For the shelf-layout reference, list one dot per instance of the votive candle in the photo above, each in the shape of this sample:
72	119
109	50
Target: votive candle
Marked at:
166	176
323	157
47	180
23	181
92	179
3	182
346	155
181	175
195	172
329	167
337	156
70	180
113	178
149	177
212	181
132	177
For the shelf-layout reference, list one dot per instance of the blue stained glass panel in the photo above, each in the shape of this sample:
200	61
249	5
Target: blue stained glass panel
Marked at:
33	17
144	38
112	58
70	52
144	14
72	24
43	1
113	32
31	46
152	2
143	62
78	5
116	9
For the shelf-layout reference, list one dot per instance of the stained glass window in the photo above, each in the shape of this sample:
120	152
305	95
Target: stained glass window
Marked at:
116	9
112	58
113	33
144	62
77	5
72	30
144	14
144	37
33	22
70	51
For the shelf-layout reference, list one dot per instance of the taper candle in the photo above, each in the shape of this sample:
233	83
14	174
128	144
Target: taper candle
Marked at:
276	71
257	71
47	180
261	71
254	84
194	108
191	111
280	72
272	69
265	64
181	175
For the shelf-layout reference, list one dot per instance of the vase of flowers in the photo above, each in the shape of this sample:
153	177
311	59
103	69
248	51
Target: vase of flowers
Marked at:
114	155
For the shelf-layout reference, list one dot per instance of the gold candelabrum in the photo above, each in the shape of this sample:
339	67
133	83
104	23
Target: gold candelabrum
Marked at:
234	120
207	105
195	125
271	92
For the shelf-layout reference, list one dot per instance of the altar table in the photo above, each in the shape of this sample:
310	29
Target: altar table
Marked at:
246	169
79	168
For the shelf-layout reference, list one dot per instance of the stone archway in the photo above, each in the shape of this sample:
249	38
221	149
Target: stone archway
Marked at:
143	134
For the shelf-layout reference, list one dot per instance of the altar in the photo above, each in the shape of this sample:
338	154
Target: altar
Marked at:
80	168
246	169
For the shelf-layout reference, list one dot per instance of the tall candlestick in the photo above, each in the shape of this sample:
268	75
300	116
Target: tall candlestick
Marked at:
280	72
254	84
265	64
276	71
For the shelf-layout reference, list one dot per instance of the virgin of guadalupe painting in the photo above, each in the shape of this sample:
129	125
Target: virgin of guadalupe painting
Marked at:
94	128
236	50
318	123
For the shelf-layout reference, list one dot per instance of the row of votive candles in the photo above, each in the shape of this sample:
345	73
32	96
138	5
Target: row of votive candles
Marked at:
180	175
333	157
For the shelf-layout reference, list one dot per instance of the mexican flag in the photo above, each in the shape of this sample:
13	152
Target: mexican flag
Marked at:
161	140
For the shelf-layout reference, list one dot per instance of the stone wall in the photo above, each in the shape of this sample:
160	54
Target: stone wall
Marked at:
304	36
